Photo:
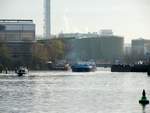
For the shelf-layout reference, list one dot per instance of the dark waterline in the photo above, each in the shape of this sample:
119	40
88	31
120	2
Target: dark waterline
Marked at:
67	92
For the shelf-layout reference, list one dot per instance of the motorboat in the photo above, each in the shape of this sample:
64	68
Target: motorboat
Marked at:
21	71
83	67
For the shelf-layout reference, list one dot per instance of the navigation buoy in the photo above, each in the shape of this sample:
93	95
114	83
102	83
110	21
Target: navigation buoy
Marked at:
144	101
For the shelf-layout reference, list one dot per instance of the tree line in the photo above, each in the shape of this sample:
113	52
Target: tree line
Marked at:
42	52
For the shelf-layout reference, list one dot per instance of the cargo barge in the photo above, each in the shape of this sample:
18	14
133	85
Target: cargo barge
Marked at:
130	68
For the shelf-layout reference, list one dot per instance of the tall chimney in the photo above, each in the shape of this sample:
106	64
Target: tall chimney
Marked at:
47	19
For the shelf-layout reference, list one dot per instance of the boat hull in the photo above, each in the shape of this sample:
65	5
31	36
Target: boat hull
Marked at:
130	68
20	74
83	68
59	67
22	71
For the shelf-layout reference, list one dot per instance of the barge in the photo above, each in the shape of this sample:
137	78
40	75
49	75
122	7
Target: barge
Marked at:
130	68
83	67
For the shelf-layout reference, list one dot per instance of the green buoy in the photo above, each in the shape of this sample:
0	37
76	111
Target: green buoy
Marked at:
144	101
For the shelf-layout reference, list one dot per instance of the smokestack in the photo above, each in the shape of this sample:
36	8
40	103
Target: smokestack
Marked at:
47	19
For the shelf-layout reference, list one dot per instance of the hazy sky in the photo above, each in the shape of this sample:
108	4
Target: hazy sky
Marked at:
128	18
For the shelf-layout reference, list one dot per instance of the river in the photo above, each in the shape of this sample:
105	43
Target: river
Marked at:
69	92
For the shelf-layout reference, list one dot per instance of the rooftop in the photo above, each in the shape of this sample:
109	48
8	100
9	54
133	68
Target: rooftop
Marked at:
15	21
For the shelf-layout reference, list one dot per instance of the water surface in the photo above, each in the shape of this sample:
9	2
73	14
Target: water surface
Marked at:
68	92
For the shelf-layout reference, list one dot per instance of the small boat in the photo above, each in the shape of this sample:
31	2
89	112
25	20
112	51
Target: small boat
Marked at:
83	67
58	66
21	71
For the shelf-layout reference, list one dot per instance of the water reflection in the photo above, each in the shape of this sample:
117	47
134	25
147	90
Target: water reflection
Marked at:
143	109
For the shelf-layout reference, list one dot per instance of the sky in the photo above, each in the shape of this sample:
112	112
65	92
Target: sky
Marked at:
128	18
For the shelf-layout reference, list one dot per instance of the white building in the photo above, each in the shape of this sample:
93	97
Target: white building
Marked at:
106	32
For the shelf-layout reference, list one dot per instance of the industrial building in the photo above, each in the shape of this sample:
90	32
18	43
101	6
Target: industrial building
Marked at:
105	48
19	35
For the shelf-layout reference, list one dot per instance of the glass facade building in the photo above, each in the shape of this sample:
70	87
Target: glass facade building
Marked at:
19	36
17	30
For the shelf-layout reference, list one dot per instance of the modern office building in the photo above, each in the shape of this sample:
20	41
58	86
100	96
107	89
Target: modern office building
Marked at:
17	30
19	35
112	47
105	48
140	46
141	49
